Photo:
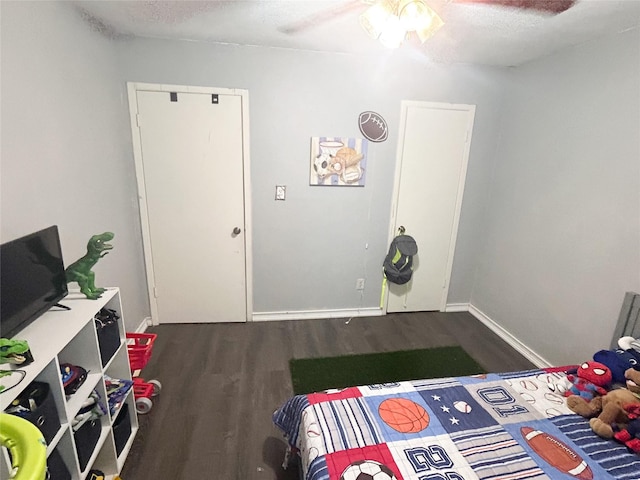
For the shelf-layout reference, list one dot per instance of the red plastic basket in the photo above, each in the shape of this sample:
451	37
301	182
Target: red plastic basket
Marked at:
139	347
142	388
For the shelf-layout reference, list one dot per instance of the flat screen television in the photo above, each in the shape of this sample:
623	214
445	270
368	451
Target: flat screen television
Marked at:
32	279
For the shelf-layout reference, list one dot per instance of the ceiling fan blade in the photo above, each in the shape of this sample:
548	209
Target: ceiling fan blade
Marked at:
322	16
547	6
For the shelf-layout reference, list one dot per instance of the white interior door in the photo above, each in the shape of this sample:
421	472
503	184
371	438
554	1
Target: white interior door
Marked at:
191	181
432	159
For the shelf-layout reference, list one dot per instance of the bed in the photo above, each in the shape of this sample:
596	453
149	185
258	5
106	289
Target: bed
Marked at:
496	426
505	426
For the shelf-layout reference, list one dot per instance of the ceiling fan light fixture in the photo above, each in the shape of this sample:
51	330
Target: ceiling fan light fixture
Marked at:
413	14
393	34
373	20
391	20
428	29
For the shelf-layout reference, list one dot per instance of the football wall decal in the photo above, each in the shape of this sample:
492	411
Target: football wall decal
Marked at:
373	126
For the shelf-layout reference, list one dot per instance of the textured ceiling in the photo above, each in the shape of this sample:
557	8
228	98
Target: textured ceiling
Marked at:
473	33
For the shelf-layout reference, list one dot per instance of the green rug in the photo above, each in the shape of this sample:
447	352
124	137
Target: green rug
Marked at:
317	374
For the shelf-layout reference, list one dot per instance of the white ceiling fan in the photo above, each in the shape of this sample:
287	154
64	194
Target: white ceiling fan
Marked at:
551	7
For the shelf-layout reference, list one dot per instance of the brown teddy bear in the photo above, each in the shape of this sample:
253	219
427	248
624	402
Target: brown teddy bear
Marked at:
633	380
607	410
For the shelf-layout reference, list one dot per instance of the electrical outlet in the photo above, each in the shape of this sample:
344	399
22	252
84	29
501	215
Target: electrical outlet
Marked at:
360	284
281	192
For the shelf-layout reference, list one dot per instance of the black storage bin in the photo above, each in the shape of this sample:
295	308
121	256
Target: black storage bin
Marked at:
86	438
56	469
122	428
37	397
108	335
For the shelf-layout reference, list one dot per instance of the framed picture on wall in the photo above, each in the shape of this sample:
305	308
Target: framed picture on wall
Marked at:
338	161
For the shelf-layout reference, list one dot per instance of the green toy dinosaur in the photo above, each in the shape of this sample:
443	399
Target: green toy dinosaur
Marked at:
14	351
80	270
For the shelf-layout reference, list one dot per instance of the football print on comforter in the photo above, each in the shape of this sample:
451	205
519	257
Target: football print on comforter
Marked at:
496	426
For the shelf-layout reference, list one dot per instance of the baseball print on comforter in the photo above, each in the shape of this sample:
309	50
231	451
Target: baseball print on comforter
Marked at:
491	427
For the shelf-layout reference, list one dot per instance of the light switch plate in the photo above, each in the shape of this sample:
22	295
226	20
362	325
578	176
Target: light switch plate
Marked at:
281	192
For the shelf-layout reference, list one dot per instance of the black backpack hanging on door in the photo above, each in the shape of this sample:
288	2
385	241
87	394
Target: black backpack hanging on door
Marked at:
398	264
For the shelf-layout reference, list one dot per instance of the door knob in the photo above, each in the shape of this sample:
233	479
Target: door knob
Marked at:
236	231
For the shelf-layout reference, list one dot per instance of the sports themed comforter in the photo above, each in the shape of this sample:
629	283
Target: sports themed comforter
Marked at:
495	426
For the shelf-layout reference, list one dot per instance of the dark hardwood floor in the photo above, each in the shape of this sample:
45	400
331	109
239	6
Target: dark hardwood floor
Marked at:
222	382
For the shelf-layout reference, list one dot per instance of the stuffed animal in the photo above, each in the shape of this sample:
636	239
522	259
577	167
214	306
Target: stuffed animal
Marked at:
633	380
618	361
629	343
607	410
630	435
591	378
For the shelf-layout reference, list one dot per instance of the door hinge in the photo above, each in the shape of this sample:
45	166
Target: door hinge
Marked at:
138	120
155	292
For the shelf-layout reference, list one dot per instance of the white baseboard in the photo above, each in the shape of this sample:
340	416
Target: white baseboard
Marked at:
143	325
516	344
316	314
457	307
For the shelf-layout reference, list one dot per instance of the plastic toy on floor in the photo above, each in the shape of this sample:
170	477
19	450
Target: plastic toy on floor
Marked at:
139	348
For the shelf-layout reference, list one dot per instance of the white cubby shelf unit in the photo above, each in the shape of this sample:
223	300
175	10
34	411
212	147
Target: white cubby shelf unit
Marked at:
60	336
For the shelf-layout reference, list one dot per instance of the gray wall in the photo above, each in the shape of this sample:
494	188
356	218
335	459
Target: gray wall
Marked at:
548	256
563	230
66	137
65	145
309	250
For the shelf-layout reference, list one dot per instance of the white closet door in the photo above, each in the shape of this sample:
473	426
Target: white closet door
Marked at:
432	164
192	163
